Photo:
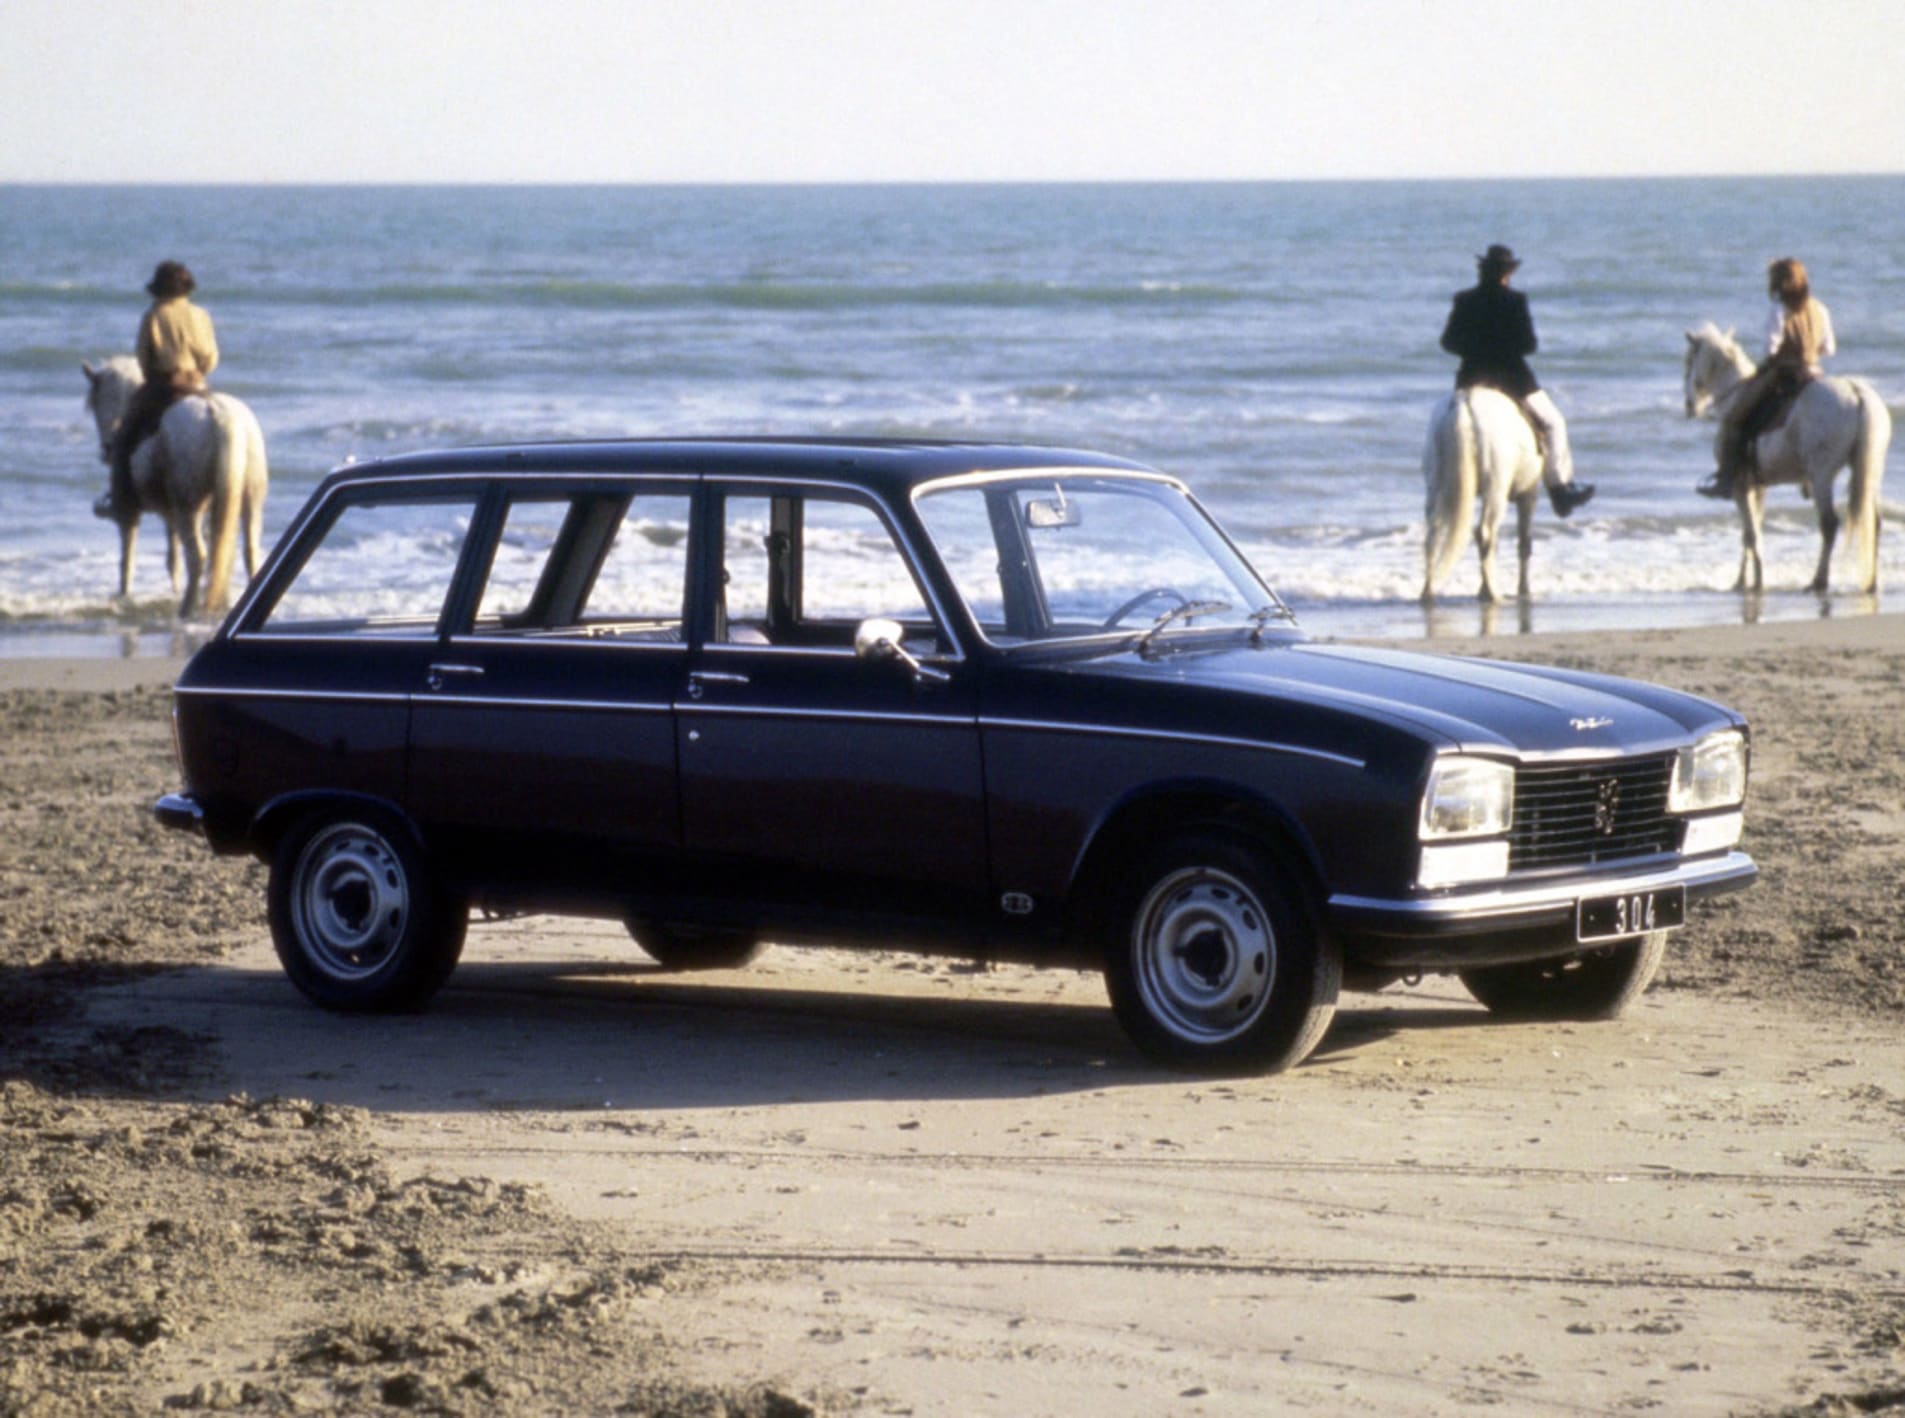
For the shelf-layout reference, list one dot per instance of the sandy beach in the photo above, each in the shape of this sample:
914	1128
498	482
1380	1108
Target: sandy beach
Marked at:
838	1182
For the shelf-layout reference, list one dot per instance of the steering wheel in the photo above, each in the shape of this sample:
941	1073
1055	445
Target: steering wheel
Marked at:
1156	593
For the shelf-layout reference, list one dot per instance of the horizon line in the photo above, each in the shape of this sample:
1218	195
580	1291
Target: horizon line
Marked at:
449	183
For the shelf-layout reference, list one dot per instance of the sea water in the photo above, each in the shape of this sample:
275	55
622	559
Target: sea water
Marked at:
1273	344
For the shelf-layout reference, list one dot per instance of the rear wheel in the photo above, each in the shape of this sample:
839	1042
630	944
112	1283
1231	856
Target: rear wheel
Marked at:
1217	961
358	920
1595	984
691	948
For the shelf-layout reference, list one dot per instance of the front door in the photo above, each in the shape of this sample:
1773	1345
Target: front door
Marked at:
825	778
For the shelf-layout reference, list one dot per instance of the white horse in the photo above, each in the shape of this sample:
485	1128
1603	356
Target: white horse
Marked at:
208	455
1480	446
1835	423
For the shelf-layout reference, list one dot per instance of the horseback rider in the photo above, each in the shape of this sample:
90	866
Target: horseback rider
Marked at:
176	350
1490	328
1798	338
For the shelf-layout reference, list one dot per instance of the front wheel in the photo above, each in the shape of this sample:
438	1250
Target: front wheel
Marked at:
358	921
1595	984
1218	962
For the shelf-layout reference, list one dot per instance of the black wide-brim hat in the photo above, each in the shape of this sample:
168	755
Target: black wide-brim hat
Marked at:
1497	258
170	278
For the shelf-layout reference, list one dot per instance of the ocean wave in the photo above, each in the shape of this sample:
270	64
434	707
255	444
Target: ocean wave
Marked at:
38	359
749	295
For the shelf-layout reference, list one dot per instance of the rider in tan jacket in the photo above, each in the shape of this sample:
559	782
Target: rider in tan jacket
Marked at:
1798	339
176	350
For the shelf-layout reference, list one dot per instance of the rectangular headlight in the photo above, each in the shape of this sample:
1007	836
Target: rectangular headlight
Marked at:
1711	774
1467	797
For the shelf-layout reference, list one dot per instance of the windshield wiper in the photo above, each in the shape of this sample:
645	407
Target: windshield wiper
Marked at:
1261	617
1186	611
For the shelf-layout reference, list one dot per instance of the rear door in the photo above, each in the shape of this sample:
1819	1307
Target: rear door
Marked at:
542	739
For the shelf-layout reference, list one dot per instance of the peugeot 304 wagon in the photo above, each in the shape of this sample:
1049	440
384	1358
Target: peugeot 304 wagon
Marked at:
1011	703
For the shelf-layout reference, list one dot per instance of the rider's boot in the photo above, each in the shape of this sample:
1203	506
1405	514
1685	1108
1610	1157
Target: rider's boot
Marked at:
1565	497
1736	461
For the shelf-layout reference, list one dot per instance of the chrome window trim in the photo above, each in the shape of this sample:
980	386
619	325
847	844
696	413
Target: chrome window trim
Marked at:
857	716
1175	736
478	641
502	701
1000	475
328	696
280	637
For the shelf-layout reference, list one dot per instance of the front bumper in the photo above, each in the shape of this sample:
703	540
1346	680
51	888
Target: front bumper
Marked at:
1506	923
180	811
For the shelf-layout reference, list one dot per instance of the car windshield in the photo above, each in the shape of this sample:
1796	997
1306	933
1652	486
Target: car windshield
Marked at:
1072	555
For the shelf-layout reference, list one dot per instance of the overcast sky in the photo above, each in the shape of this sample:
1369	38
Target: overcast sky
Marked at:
943	90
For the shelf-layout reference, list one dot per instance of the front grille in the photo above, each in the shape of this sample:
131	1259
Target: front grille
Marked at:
1581	814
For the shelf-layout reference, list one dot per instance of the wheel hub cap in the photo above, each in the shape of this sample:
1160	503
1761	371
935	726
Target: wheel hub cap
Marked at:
1205	954
351	901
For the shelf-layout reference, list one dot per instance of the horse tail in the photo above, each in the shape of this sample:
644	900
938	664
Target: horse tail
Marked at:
229	451
1450	468
1868	472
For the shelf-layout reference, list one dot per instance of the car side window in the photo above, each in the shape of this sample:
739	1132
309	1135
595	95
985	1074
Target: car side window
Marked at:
382	567
804	571
589	566
851	568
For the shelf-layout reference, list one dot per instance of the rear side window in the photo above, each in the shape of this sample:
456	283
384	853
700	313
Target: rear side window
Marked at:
589	565
380	568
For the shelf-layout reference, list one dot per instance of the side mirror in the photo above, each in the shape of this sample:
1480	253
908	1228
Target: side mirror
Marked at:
878	638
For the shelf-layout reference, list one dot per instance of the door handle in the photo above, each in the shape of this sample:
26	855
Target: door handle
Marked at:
699	680
442	672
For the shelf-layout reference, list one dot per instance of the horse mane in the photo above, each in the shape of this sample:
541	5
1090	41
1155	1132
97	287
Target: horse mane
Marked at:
120	369
1710	334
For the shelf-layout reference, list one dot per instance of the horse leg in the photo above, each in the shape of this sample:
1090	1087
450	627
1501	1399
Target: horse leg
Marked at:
1752	504
188	526
254	534
128	543
1524	536
1828	534
1485	544
172	554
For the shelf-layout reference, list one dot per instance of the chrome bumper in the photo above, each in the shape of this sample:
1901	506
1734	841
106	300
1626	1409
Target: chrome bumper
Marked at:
1510	921
180	811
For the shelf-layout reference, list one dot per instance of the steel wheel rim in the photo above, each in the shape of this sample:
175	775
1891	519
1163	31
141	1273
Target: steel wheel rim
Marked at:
350	901
1205	955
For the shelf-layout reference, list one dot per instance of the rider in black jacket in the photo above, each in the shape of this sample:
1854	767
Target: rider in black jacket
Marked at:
1490	328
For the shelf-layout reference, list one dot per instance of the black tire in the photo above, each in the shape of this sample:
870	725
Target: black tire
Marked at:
693	948
1216	960
1595	984
358	919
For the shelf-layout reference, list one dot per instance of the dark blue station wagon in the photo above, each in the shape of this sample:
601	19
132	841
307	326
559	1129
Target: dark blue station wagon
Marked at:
1011	703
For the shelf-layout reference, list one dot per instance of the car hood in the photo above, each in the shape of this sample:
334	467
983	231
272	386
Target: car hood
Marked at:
1468	704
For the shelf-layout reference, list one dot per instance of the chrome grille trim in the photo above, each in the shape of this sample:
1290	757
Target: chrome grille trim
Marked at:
1584	813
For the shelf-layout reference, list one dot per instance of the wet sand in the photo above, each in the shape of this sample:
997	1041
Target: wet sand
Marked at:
840	1181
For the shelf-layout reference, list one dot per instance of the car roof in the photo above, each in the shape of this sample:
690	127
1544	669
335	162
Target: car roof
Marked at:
890	465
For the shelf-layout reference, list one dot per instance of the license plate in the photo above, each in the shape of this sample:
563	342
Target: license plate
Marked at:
1635	913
